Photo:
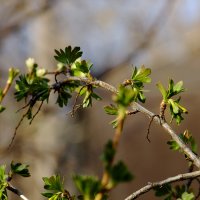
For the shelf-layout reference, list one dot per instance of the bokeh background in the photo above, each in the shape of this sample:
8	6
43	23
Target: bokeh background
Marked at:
115	35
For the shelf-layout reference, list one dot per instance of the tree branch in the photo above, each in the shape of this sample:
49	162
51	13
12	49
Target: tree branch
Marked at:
137	107
150	186
16	191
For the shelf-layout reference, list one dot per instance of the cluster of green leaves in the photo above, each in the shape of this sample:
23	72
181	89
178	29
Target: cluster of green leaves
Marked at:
182	191
130	91
68	56
138	78
176	109
117	172
32	87
88	186
54	187
5	178
71	60
187	138
168	192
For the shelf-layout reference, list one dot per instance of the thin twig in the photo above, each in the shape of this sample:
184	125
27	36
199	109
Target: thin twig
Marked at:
150	186
149	126
16	128
38	110
16	191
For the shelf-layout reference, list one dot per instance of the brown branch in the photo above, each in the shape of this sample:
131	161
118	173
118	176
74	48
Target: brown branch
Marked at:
150	186
106	177
137	107
170	131
16	191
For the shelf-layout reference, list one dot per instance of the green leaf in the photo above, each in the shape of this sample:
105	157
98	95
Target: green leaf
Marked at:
176	110
187	196
108	154
3	175
63	98
20	169
82	66
173	145
163	190
54	184
88	96
3	182
120	173
174	105
111	110
141	74
69	55
89	186
125	96
178	88
174	89
2	108
162	90
37	88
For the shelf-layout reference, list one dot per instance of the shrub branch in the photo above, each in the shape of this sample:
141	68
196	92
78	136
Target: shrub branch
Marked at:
137	107
173	179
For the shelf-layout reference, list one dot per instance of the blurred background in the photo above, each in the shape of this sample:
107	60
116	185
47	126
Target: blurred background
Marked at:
115	36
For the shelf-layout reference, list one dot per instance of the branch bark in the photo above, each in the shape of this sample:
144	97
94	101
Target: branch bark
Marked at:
150	186
16	191
137	107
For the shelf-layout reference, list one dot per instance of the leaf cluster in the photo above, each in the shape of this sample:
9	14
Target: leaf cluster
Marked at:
117	172
69	55
179	192
176	109
5	178
139	77
88	186
54	187
187	138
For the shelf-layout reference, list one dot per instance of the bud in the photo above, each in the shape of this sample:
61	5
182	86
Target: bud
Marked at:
30	64
41	72
60	67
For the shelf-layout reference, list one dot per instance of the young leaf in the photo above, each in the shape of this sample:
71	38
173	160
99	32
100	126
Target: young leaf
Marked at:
120	173
125	96
141	74
162	90
111	110
63	97
3	175
20	169
68	56
108	154
89	186
163	191
2	108
187	196
178	88
53	183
